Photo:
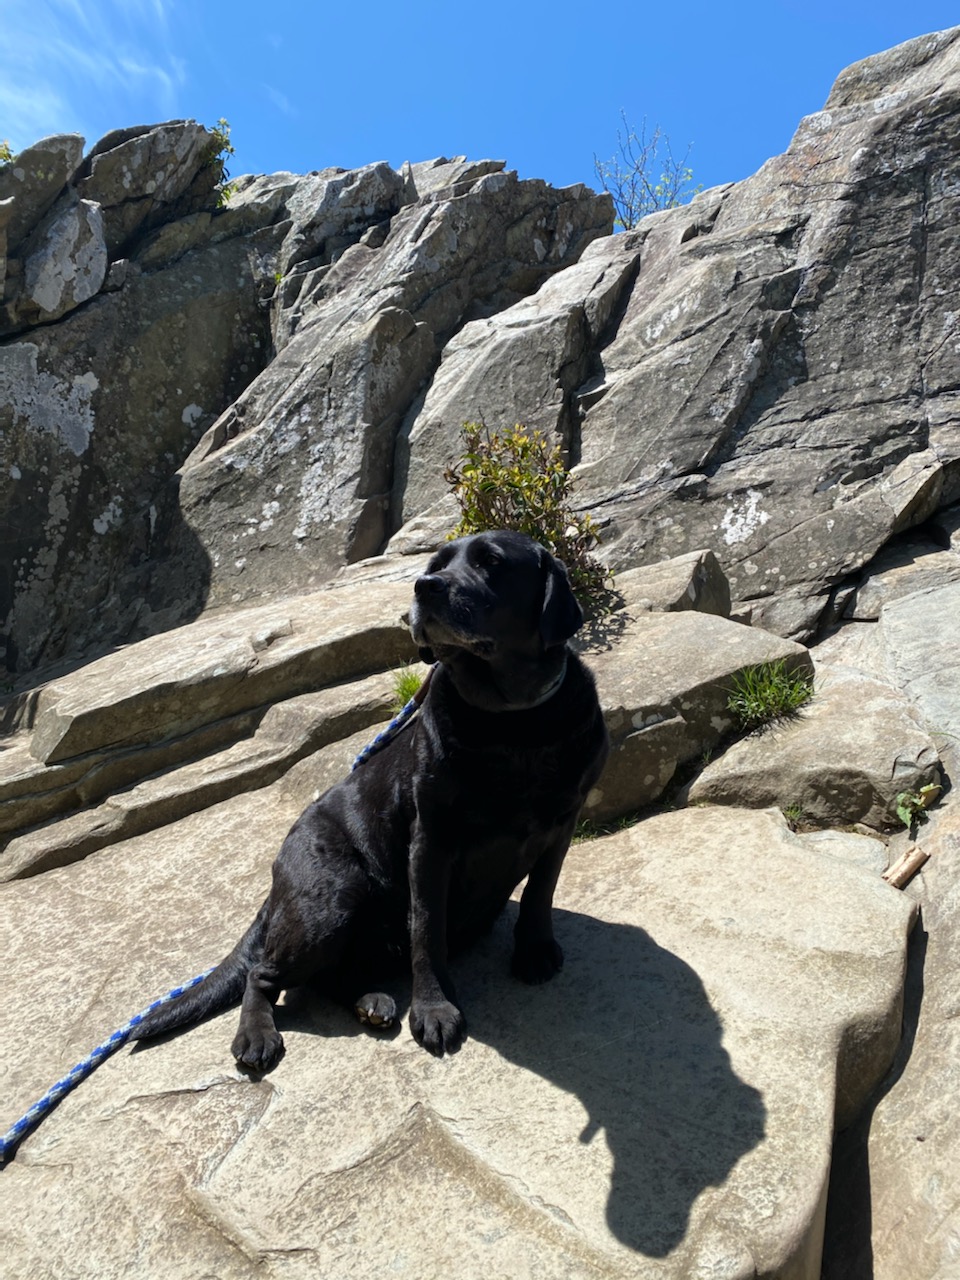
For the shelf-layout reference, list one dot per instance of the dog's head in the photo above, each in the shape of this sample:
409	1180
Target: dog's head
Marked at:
494	596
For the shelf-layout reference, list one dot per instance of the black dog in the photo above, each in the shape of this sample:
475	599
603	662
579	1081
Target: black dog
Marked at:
416	852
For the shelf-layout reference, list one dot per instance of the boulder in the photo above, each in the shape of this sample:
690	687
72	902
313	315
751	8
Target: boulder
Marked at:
34	180
66	263
147	175
664	681
684	1148
520	365
901	568
96	411
179	720
843	758
171	684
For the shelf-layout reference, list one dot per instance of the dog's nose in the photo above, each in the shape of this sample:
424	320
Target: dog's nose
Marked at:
429	584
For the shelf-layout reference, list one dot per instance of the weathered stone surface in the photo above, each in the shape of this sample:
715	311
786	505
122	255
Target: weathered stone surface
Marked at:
694	581
35	179
313	437
923	659
521	365
897	1170
639	1115
93	429
427	176
664	680
67	262
759	391
900	569
181	720
145	175
218	666
286	733
844	758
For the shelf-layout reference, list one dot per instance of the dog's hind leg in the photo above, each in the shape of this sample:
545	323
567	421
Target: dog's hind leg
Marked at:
311	914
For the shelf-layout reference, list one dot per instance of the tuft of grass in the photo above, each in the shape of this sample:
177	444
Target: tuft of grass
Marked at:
406	681
768	692
591	829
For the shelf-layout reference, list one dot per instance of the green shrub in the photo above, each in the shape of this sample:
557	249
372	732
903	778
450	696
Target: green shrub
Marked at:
220	148
6	153
516	479
768	692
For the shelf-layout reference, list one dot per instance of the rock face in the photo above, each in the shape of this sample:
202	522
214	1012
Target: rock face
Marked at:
311	310
226	427
770	371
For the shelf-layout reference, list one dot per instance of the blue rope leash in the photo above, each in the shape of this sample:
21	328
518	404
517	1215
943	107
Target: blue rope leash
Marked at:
30	1119
396	725
39	1110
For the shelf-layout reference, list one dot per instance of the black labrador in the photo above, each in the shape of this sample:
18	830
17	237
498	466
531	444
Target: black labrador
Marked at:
415	853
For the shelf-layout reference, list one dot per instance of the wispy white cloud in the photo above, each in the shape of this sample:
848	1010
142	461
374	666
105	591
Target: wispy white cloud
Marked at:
72	65
280	100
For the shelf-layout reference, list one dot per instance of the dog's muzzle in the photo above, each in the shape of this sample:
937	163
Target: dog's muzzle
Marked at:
434	617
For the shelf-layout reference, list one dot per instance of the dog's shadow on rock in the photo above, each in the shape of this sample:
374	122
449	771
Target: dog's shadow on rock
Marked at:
626	1027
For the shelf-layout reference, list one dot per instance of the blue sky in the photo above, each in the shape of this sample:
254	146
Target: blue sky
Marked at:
307	85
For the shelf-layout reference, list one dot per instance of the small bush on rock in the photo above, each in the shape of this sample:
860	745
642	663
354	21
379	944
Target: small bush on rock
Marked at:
768	692
220	148
515	479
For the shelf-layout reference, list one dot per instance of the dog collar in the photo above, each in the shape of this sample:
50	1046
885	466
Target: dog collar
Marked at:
551	688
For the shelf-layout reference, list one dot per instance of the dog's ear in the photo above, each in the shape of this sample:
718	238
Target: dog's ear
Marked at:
561	615
426	655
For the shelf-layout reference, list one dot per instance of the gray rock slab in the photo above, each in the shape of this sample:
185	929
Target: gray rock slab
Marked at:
753	390
142	175
172	683
844	757
664	680
694	581
900	570
287	732
94	431
639	1116
314	436
519	365
32	792
897	1169
923	659
35	179
65	264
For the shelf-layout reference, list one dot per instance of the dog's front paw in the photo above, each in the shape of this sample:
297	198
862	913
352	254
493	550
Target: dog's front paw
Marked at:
538	961
440	1027
258	1050
376	1008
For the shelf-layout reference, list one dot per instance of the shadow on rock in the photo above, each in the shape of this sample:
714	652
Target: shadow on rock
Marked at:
627	1027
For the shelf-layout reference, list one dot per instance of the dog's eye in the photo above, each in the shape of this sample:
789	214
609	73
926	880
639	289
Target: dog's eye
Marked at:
490	559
